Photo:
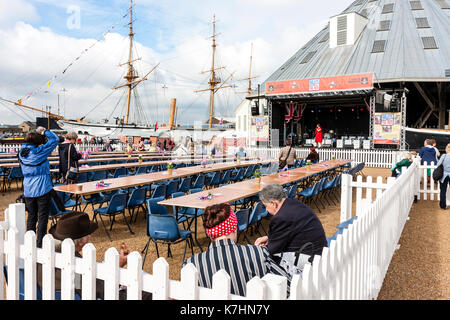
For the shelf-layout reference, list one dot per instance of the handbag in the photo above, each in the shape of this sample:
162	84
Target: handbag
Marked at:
438	173
294	262
72	172
283	163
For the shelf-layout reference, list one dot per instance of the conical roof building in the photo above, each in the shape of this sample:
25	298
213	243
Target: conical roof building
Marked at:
397	48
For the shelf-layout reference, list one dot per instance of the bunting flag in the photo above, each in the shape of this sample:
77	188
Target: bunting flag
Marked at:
76	59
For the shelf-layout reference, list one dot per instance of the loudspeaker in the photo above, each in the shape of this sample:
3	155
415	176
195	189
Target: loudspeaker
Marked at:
255	109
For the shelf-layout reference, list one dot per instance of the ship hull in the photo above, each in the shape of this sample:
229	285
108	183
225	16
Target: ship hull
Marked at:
415	138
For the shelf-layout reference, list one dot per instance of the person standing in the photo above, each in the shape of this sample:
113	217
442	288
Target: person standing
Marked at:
319	136
287	156
37	183
108	146
427	154
443	183
68	157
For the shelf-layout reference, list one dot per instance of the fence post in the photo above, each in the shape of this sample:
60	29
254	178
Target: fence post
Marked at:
276	286
30	266
48	268
2	250
189	282
12	261
256	289
161	279
68	270
112	274
221	286
16	218
89	272
346	197
134	272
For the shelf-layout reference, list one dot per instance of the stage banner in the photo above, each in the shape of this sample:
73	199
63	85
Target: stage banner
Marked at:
387	128
329	84
260	129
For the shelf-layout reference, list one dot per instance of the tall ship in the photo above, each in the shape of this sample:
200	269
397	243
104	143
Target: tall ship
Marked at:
125	127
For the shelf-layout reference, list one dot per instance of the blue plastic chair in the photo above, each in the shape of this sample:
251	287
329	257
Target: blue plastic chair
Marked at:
154	208
98	175
82	177
141	170
256	216
239	175
116	205
292	191
199	182
172	187
345	224
310	193
185	185
15	173
54	212
226	177
136	201
242	219
38	287
67	201
214	181
160	191
118	172
164	229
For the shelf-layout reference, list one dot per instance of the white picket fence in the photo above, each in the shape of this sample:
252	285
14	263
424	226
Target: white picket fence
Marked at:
353	267
372	158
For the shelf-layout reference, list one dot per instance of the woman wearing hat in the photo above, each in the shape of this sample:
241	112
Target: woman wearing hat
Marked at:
241	262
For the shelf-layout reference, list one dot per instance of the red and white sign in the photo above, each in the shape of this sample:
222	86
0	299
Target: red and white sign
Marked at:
330	84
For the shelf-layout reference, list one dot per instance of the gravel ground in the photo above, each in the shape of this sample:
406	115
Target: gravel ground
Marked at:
419	269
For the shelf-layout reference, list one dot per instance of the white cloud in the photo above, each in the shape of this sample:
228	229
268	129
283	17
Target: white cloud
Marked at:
17	10
277	30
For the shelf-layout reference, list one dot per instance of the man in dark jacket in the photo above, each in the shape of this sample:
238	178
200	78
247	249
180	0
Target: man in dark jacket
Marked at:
37	183
293	224
68	155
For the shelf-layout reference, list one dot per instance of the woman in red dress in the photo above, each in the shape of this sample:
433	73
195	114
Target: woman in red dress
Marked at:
319	136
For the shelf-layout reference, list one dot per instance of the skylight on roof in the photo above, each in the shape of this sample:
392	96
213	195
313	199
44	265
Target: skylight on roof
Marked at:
388	8
308	57
385	25
444	4
429	43
378	46
416	5
422	23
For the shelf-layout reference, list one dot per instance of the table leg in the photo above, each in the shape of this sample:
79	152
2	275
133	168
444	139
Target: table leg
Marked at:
195	230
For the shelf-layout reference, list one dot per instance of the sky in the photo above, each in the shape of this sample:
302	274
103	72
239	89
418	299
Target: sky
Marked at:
66	54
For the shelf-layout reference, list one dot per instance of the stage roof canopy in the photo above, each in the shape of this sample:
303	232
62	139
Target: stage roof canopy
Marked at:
396	40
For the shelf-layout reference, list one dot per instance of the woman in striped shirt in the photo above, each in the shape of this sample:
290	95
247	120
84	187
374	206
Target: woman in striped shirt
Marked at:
241	262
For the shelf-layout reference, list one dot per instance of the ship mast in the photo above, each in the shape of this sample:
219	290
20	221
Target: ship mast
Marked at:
249	90
131	75
213	82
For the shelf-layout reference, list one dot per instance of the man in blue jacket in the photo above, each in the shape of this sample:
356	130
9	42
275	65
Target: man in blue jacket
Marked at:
37	183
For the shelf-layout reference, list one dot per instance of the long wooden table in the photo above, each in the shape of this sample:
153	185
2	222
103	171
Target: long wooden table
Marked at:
247	188
110	167
151	161
89	188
